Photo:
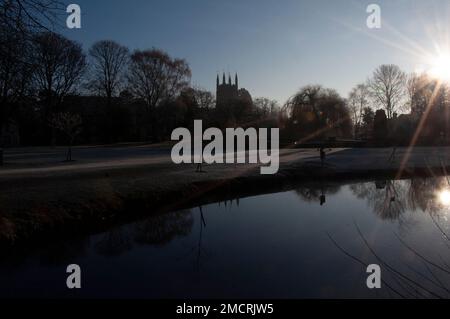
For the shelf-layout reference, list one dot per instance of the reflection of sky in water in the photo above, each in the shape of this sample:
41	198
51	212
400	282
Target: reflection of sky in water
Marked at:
274	245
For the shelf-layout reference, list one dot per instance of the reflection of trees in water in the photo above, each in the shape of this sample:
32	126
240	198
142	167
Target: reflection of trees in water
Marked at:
229	203
114	243
59	252
386	197
391	199
314	193
198	250
422	194
161	229
155	230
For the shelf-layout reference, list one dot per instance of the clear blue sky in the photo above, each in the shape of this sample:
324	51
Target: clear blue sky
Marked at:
276	46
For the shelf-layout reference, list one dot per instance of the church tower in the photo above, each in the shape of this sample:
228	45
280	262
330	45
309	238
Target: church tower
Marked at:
226	93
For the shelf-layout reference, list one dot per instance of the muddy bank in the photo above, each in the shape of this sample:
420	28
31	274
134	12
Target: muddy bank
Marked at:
94	205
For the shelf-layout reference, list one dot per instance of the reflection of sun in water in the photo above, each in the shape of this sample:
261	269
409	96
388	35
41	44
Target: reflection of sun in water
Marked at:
444	197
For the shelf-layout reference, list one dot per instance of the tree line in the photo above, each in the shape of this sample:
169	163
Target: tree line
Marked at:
390	108
48	83
393	107
53	92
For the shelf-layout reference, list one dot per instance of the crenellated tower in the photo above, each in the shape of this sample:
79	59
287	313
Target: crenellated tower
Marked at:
226	93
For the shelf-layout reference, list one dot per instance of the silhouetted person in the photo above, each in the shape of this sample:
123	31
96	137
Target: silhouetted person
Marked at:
322	155
199	168
392	157
323	198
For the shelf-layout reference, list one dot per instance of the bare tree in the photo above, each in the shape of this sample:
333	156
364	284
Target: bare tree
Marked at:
19	19
412	82
59	65
154	76
14	72
70	125
368	118
358	101
387	87
109	62
204	99
266	107
423	92
30	15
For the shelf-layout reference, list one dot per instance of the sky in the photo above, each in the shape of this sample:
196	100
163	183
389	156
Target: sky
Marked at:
276	46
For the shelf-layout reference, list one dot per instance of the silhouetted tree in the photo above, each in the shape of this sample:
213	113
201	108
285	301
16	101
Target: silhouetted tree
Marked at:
15	73
316	112
387	87
380	125
266	107
30	15
59	64
154	76
368	117
204	98
19	19
70	125
109	61
425	92
412	86
358	100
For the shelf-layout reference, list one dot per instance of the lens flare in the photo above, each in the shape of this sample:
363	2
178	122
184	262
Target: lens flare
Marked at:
440	67
444	197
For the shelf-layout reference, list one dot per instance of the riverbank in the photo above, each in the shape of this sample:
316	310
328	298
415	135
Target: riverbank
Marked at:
120	184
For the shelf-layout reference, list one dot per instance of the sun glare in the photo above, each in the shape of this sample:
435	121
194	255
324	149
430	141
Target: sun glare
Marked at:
440	67
444	197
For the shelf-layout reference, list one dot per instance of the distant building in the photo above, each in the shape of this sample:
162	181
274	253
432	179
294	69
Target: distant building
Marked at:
227	94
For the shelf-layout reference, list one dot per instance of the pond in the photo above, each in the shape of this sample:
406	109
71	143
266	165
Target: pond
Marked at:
314	241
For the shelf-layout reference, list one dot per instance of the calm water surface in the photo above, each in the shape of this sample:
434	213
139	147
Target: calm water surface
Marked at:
294	244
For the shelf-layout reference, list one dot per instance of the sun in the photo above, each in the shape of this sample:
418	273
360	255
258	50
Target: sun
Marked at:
440	67
444	197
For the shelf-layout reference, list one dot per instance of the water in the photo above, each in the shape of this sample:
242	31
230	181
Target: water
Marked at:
281	245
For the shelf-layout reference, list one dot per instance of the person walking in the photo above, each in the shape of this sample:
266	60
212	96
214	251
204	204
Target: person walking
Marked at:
322	155
394	152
